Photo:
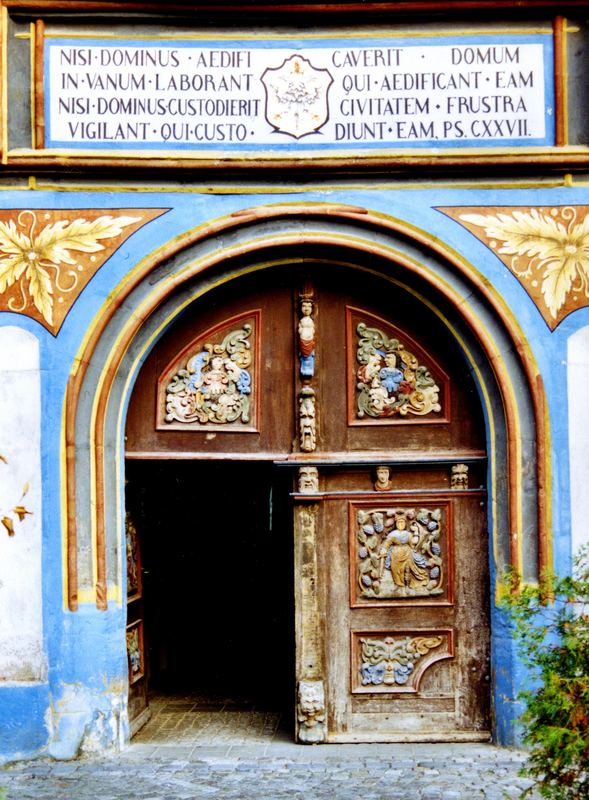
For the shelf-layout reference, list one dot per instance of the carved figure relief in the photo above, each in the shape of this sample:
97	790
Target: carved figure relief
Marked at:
215	385
307	421
459	477
306	331
48	256
308	480
135	655
390	381
383	481
396	662
311	713
133	560
399	553
546	249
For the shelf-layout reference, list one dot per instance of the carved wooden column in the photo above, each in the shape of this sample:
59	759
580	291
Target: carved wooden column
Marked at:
310	662
311	717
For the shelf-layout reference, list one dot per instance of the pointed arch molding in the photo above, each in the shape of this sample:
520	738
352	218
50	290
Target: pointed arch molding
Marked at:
161	286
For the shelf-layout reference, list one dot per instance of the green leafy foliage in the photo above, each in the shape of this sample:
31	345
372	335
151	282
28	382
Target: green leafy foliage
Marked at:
552	628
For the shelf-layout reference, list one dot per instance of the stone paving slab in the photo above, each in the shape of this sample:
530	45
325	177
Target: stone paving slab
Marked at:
275	772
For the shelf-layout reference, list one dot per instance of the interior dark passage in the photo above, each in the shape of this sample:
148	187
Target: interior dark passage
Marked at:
217	566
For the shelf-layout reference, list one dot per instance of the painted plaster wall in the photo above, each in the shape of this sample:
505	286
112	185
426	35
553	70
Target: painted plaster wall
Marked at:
578	392
22	656
83	703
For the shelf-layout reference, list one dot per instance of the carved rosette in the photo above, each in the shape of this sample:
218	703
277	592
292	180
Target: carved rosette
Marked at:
395	663
215	384
399	553
311	714
390	381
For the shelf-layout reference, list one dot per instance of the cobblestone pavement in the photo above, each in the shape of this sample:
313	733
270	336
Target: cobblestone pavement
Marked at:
191	750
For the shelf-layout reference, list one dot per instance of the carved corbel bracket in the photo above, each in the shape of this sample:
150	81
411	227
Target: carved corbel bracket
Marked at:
311	714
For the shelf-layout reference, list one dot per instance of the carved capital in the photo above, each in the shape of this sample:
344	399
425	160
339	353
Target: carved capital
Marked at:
311	714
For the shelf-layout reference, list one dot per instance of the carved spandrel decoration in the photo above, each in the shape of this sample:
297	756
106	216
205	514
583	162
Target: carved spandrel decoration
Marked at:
307	420
215	384
47	256
308	480
396	662
399	553
311	714
459	477
390	380
546	248
306	332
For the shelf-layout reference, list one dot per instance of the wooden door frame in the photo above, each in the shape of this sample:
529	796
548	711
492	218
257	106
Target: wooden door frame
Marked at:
118	340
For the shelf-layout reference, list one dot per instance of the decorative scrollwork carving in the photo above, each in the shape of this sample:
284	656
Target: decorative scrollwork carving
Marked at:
390	380
459	478
311	713
215	385
391	661
307	421
399	553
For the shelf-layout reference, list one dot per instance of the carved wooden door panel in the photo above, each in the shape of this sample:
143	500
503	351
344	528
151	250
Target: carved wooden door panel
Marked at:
397	517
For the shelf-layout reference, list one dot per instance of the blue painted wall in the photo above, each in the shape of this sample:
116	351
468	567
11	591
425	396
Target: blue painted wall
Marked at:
85	650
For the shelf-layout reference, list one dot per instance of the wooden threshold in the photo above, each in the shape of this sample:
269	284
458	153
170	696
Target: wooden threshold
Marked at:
369	737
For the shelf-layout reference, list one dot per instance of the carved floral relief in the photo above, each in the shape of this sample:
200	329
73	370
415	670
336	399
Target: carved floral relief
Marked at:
396	662
390	381
213	383
399	553
546	248
48	256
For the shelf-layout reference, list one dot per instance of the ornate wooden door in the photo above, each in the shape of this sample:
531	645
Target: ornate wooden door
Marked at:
354	385
393	622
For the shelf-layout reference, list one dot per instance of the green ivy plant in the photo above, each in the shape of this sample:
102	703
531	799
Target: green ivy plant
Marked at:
551	623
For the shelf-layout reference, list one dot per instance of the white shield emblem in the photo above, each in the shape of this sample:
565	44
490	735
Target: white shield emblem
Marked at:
296	96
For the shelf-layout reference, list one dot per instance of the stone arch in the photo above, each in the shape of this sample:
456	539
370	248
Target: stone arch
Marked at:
157	290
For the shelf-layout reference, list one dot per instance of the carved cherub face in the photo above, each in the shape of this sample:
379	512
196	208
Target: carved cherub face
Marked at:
306	308
401	523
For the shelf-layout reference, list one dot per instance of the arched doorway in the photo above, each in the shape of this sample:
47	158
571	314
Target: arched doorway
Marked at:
334	398
463	306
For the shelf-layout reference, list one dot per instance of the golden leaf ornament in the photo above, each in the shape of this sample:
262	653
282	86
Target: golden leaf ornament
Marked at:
35	260
547	249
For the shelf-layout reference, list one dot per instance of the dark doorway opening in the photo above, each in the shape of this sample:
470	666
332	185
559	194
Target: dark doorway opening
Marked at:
217	565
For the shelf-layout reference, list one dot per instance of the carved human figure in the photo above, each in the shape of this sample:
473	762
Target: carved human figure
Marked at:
397	553
306	332
308	480
383	481
311	711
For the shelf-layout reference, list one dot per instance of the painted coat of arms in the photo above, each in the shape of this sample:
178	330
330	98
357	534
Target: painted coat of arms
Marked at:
296	96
